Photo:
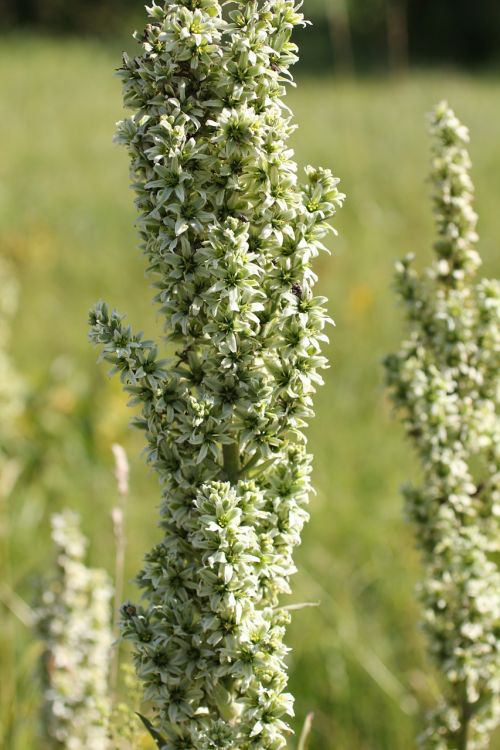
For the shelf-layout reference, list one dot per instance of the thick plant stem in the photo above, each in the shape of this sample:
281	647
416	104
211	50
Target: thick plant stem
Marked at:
463	739
231	456
464	733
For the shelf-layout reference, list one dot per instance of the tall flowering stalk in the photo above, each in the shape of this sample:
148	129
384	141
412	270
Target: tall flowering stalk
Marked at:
229	235
444	382
74	622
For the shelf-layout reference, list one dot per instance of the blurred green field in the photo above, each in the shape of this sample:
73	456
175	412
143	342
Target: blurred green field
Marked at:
66	219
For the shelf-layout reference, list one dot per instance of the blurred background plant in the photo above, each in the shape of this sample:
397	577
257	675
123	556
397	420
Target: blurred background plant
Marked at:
74	623
444	384
81	706
125	730
66	226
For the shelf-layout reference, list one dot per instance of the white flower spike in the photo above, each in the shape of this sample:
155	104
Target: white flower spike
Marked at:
229	234
74	623
444	382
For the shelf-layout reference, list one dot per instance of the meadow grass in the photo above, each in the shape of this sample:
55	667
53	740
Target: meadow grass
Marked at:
66	217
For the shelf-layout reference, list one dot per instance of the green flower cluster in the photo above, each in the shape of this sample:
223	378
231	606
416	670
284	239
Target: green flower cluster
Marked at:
74	623
229	233
444	382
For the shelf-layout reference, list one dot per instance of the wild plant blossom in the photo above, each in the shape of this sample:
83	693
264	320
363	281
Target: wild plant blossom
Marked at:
74	622
229	234
444	382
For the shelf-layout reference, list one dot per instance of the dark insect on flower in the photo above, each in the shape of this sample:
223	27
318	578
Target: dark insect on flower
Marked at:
297	290
129	610
275	67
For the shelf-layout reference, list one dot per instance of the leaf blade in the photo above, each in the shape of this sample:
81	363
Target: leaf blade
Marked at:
160	741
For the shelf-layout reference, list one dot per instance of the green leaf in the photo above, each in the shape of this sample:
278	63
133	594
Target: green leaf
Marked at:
160	741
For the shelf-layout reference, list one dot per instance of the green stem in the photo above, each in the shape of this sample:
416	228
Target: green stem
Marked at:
463	738
251	463
231	456
306	731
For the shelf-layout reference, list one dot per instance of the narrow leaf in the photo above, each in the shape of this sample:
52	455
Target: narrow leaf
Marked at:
160	741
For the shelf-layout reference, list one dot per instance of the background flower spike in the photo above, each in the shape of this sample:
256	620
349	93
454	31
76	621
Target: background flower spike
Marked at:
444	384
